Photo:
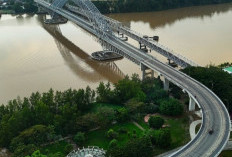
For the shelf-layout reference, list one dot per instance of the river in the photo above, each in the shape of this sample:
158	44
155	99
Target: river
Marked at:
37	57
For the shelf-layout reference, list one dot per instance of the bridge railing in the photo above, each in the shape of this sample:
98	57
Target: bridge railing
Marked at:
170	54
136	56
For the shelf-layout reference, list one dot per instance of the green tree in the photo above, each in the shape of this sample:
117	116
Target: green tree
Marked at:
136	147
18	8
163	138
68	148
35	135
134	106
112	134
126	89
106	116
24	150
171	107
104	93
217	80
87	122
153	88
113	143
79	138
156	122
122	114
37	154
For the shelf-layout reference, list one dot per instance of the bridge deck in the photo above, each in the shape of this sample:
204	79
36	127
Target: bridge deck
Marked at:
215	114
116	25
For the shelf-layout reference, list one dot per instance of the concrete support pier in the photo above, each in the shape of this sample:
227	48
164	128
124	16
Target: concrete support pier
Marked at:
152	73
146	72
192	104
143	69
166	84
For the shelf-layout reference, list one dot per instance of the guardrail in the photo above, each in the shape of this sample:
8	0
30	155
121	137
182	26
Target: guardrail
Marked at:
145	60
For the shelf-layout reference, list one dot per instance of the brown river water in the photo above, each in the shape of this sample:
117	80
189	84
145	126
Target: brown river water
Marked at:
34	57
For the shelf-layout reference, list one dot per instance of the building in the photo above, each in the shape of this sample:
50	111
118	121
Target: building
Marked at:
228	69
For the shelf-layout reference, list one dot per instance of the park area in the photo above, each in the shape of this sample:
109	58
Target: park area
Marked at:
127	130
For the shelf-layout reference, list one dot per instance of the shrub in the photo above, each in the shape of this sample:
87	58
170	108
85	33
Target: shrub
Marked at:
171	107
68	148
112	134
113	143
163	138
122	130
23	150
156	122
79	138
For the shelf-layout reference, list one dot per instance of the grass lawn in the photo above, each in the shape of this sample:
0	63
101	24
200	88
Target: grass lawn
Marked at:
226	153
143	124
99	138
178	127
197	128
179	131
54	148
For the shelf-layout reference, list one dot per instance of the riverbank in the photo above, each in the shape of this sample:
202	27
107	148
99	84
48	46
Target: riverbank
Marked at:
126	6
7	12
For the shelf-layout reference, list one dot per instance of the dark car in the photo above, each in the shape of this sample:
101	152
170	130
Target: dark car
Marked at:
211	131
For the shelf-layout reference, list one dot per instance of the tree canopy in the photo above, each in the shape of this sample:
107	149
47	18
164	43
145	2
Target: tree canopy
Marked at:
156	122
217	80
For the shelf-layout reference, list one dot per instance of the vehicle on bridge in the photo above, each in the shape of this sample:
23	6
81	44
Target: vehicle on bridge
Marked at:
211	131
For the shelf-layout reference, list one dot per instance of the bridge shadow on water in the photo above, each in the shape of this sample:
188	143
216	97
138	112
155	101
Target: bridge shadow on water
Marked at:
107	70
169	17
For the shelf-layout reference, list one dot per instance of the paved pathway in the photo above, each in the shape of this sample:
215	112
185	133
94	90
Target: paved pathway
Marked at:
139	126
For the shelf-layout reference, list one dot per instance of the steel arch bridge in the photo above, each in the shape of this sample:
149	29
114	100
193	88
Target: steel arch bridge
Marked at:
107	70
214	114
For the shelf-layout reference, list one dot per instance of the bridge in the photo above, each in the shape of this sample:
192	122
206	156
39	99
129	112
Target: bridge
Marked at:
108	70
214	114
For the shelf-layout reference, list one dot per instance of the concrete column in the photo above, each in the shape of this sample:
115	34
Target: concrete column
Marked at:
143	69
152	74
192	104
143	74
166	84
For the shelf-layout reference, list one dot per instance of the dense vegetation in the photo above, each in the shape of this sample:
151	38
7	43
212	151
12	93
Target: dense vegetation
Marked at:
30	124
121	6
19	7
214	78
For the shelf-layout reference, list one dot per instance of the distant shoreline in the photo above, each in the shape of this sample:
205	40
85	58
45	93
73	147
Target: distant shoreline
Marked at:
102	6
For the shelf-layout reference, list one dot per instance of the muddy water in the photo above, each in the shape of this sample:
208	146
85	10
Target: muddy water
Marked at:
36	57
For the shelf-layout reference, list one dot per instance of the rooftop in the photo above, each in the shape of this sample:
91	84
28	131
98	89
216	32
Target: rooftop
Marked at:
228	69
